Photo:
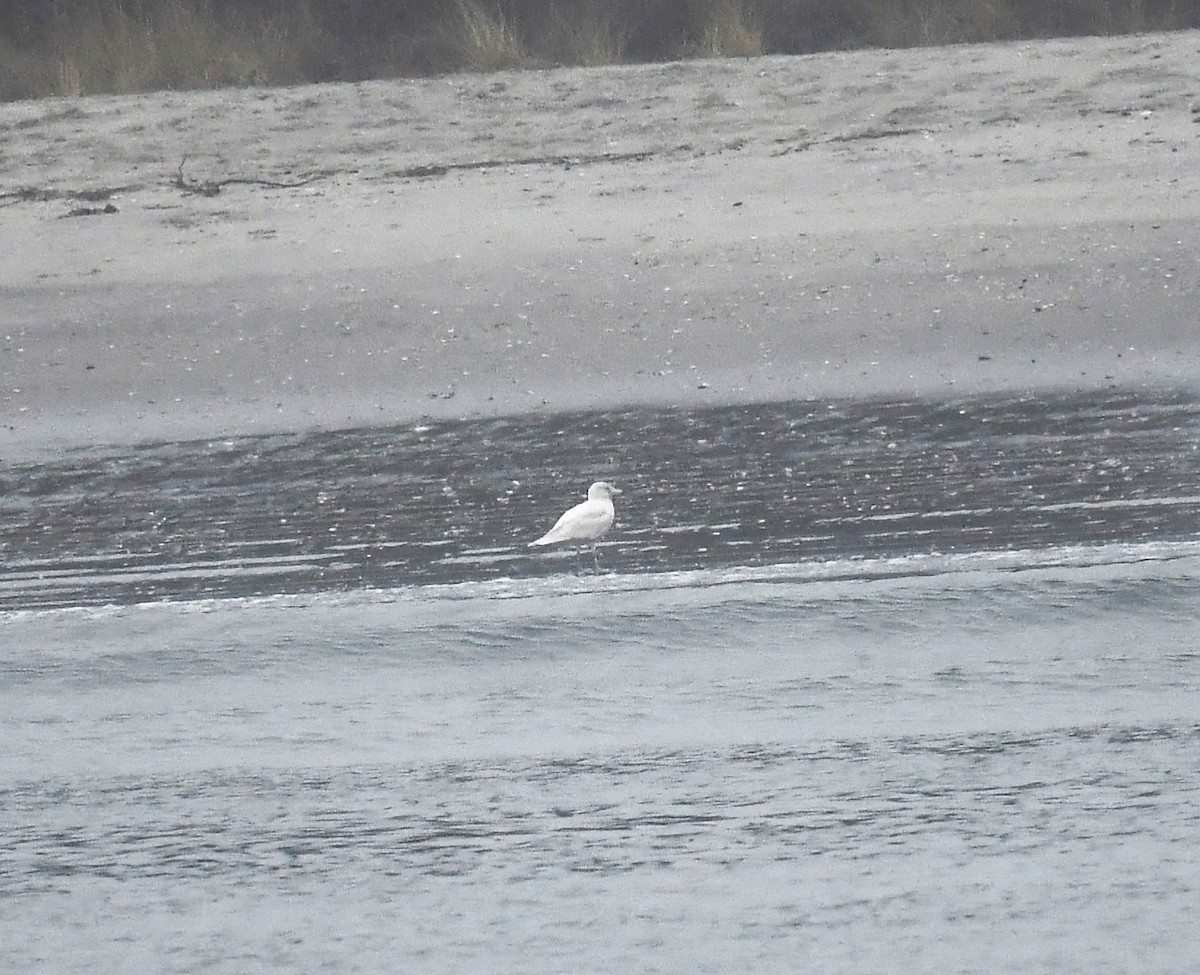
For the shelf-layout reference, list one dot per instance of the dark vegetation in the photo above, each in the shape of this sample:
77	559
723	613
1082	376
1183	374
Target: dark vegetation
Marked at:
71	47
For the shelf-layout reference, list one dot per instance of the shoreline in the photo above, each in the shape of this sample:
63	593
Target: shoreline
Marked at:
935	223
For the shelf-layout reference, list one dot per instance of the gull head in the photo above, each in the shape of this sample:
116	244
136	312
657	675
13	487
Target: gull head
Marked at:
602	490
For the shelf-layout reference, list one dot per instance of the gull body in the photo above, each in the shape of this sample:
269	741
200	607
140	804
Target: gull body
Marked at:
587	521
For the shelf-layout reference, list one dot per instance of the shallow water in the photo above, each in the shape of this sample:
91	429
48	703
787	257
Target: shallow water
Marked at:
449	502
944	721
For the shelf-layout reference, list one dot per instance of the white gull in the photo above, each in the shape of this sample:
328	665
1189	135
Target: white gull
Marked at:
587	521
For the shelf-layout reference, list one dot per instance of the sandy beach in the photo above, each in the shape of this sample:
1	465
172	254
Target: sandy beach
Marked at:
868	676
937	222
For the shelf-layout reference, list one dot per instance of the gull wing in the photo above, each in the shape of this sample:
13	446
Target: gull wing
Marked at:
583	523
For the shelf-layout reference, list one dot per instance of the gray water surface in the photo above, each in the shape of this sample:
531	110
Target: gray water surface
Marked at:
703	489
859	688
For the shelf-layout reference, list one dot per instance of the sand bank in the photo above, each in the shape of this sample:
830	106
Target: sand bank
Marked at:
938	222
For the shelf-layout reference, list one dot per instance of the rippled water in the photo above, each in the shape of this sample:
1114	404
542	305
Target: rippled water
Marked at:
754	485
874	687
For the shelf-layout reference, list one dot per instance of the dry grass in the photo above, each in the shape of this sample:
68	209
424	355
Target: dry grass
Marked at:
925	22
730	29
111	47
585	34
486	37
73	47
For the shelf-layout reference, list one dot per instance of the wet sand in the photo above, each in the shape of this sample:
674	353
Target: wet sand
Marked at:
977	219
